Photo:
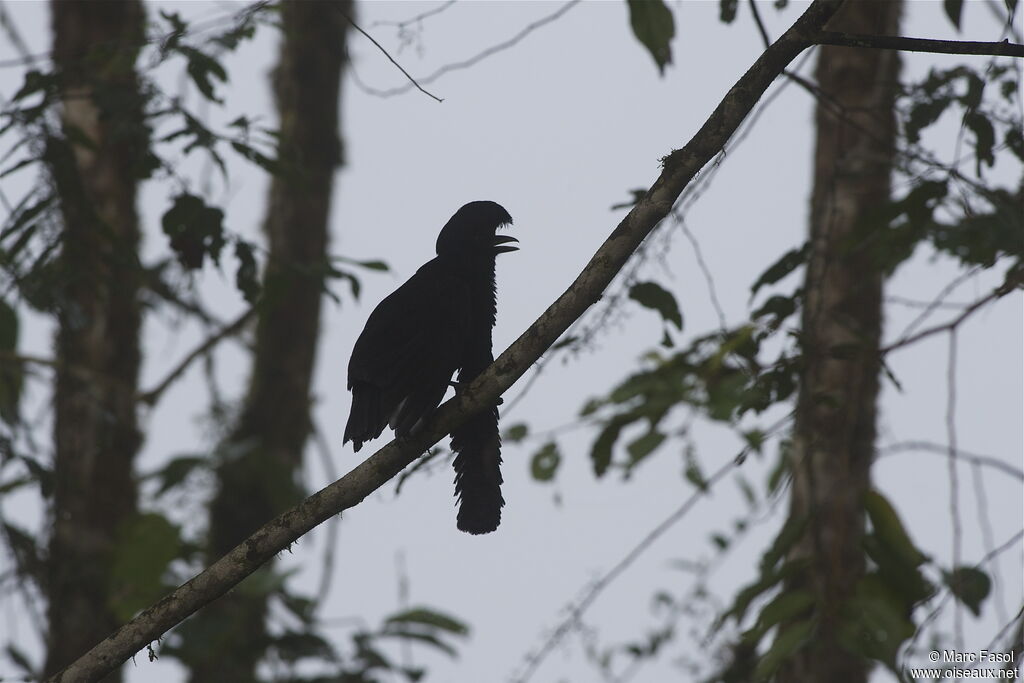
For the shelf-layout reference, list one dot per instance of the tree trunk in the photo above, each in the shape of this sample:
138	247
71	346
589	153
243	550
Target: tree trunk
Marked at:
836	409
95	432
260	460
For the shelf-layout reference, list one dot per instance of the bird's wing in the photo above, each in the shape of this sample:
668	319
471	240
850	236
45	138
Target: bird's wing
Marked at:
411	345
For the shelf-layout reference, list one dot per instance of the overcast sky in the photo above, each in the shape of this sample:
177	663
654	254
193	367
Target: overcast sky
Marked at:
557	130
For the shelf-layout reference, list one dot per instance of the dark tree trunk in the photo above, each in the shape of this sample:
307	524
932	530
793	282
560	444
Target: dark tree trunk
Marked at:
95	434
258	471
836	409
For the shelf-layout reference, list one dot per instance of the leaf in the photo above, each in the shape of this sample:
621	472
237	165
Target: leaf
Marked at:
26	217
1015	142
954	10
271	166
643	446
145	546
176	471
654	296
245	276
21	660
431	618
789	640
545	462
693	473
970	586
601	452
924	114
425	638
888	528
789	262
204	69
875	622
516	433
784	541
727	10
195	229
785	606
654	27
369	265
292	646
984	138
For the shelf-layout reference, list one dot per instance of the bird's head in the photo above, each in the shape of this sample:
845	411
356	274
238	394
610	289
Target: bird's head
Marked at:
471	234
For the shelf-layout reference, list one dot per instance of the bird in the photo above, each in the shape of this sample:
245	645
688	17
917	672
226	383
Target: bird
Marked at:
437	323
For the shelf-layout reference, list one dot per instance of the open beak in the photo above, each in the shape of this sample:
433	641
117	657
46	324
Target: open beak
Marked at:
501	244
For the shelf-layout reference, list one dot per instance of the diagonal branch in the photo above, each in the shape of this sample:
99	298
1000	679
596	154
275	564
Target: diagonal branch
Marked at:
680	167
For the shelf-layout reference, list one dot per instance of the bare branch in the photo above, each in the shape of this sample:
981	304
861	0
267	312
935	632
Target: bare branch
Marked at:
386	54
1013	280
1003	48
153	395
576	611
479	57
680	167
939	449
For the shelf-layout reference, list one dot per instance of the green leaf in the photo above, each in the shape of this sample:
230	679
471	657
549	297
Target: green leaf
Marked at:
875	621
727	10
654	296
545	462
292	646
693	472
601	452
195	229
643	446
516	433
428	617
1015	142
654	27
245	277
21	660
789	640
203	69
146	545
425	638
888	528
789	262
954	10
970	586
984	138
787	537
271	166
924	114
177	469
785	606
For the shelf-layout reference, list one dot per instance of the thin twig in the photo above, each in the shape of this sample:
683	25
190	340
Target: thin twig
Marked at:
416	19
940	449
954	479
386	54
1012	281
1002	48
479	57
153	395
594	591
333	524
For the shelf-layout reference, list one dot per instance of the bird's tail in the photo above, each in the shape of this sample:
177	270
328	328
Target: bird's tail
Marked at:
478	472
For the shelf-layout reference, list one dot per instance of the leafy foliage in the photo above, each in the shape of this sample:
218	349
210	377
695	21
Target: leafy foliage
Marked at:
654	27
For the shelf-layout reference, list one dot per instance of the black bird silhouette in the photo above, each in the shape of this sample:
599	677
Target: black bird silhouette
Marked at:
438	322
